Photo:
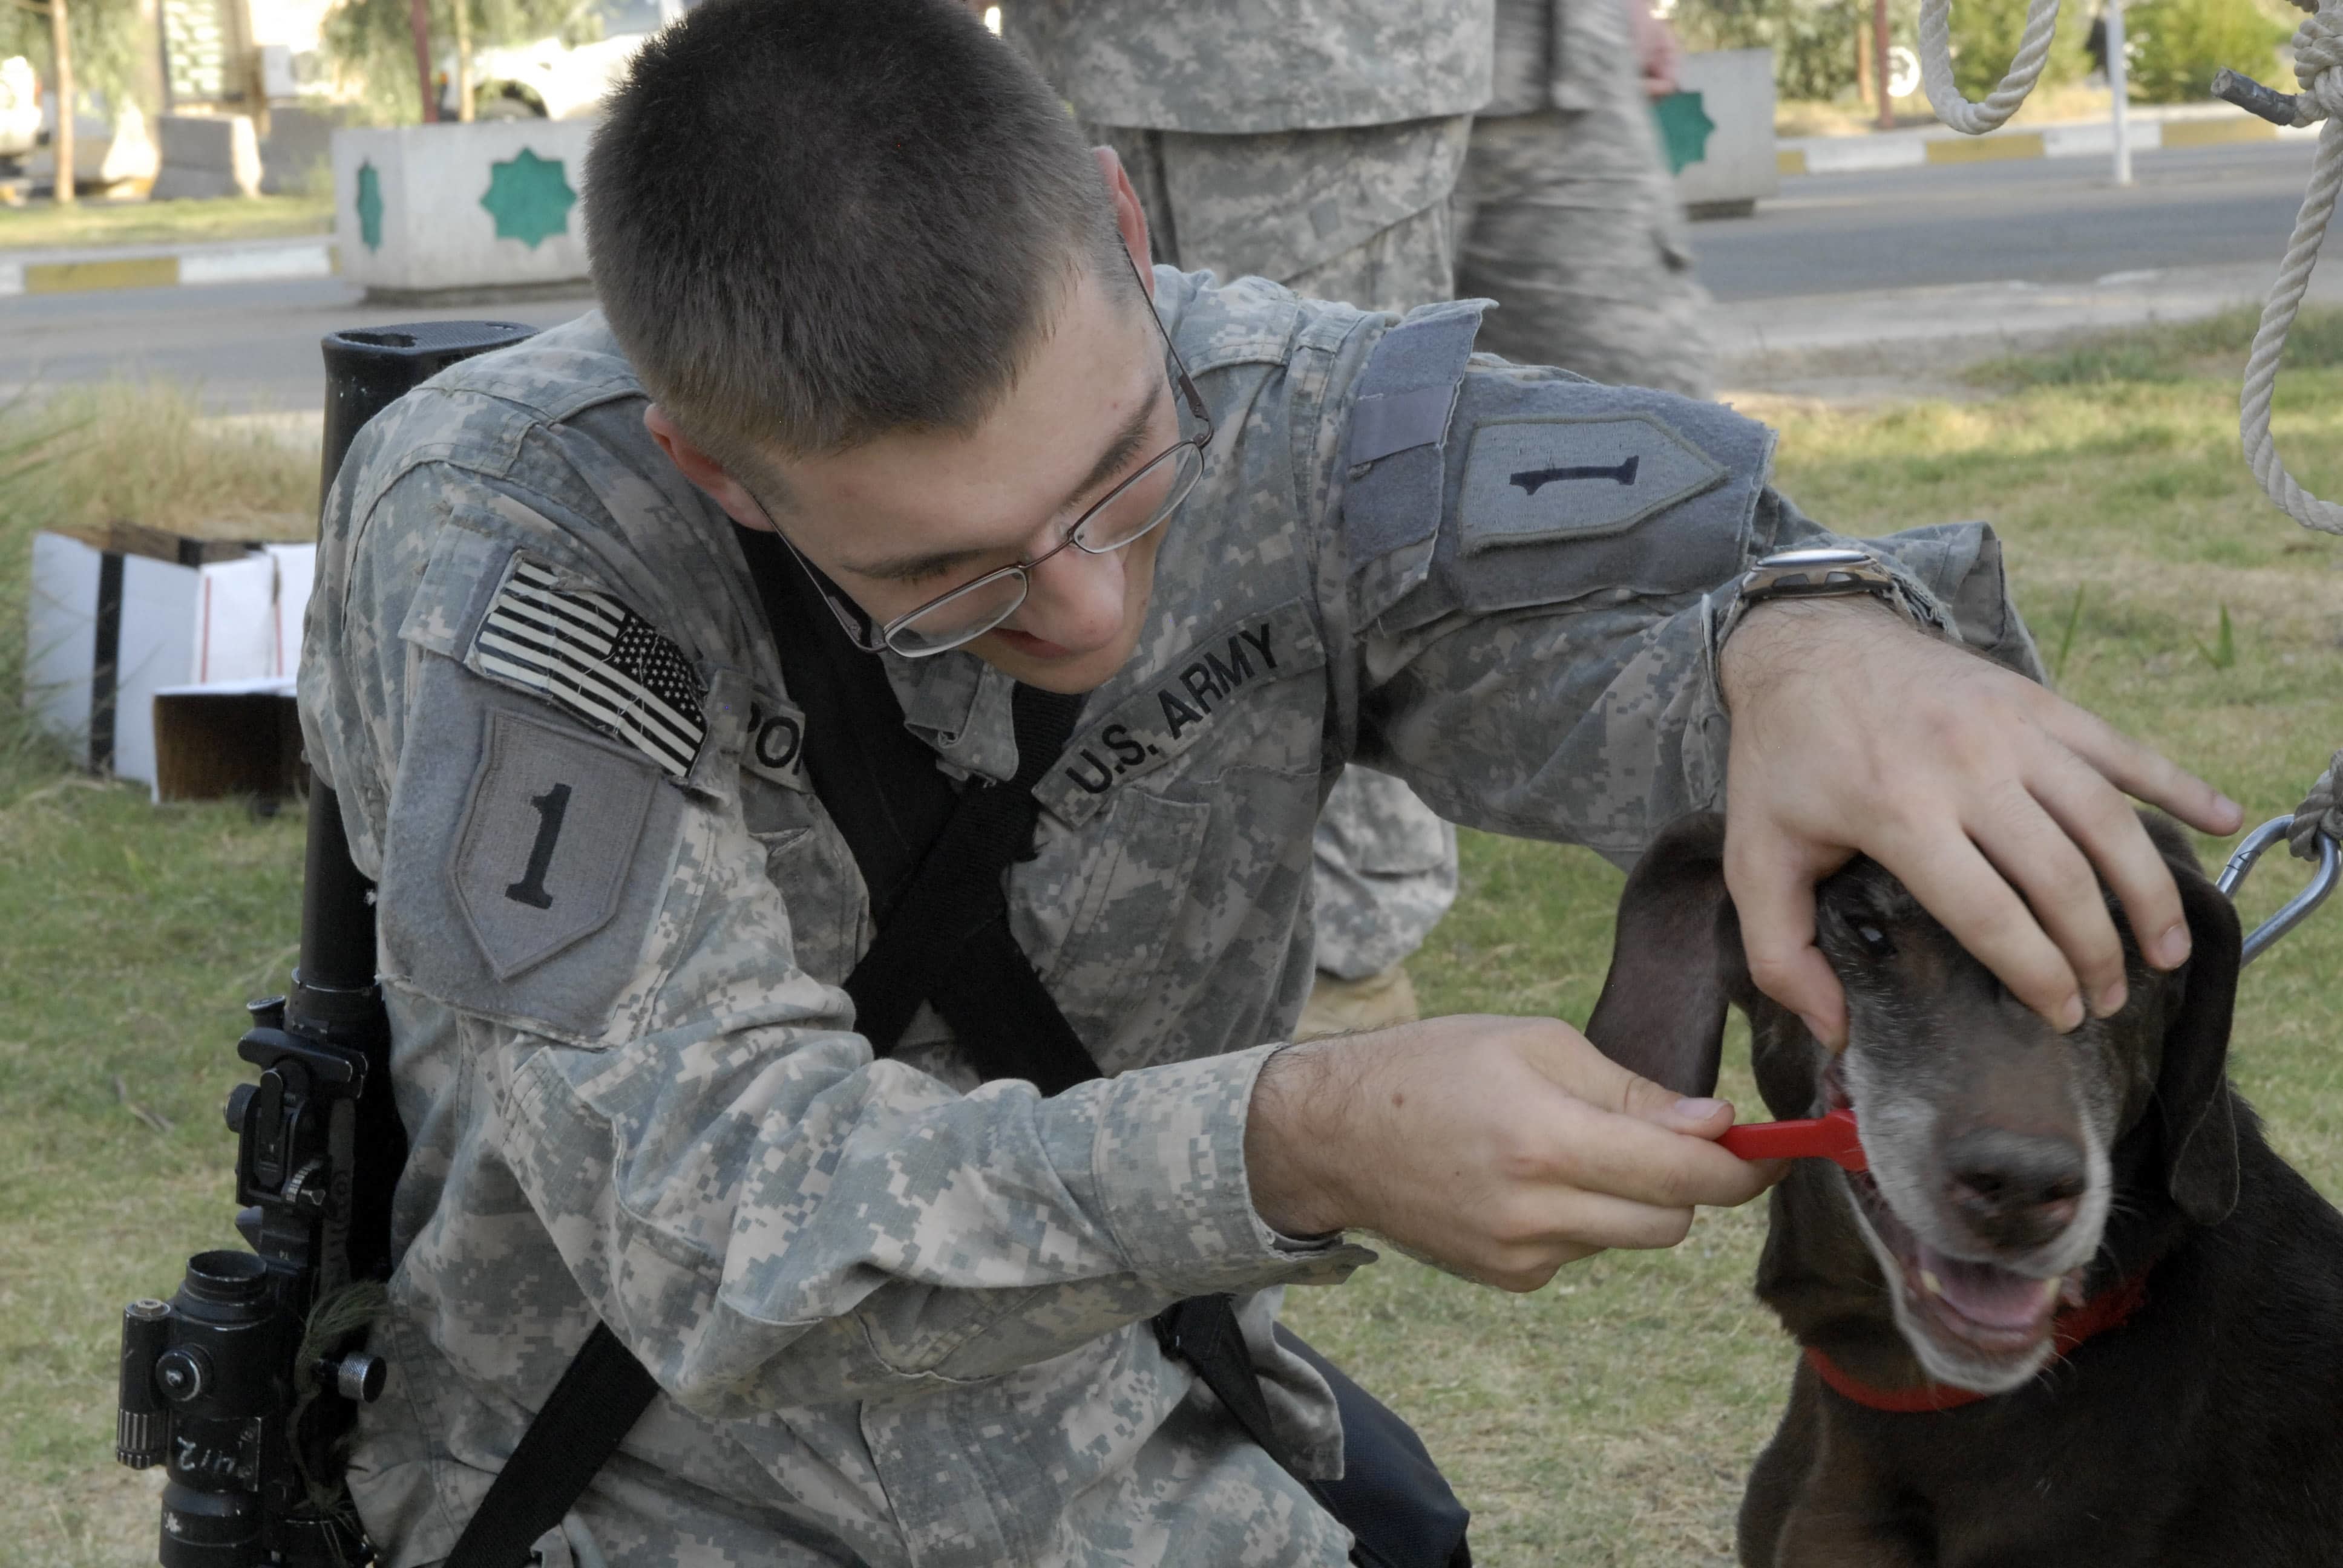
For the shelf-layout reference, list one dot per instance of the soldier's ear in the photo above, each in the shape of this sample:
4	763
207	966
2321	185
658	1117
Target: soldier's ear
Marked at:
1662	1011
1129	215
708	476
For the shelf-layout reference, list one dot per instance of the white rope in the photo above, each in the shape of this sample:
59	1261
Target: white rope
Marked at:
2318	65
1936	66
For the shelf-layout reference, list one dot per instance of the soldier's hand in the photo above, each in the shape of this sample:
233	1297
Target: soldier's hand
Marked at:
1501	1148
1991	798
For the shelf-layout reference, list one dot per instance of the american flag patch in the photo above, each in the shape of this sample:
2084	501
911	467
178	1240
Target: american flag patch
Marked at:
598	660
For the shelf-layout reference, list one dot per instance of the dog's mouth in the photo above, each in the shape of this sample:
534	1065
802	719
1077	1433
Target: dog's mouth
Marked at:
1974	1323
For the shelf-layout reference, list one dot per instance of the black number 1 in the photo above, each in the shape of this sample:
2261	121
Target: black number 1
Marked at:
551	806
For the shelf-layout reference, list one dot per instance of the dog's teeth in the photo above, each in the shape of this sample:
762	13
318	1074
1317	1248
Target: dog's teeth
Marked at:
1930	1283
2052	1286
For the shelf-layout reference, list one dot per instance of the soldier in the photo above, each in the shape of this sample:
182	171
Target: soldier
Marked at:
863	288
1320	151
1567	216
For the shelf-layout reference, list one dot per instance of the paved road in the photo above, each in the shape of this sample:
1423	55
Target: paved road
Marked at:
249	347
2048	220
1821	263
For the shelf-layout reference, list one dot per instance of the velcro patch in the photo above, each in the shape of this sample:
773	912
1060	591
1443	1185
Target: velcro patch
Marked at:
596	659
542	852
1530	481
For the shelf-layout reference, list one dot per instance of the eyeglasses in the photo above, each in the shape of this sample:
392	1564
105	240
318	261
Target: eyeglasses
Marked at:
1124	515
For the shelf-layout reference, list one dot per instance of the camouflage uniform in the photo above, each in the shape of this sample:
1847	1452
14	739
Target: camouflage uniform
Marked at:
1566	212
897	1318
1319	146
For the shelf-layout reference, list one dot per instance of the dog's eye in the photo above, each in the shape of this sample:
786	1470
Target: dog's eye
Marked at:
1875	941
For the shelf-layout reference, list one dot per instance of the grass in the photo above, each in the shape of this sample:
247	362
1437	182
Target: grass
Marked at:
1608	1419
44	224
2213	345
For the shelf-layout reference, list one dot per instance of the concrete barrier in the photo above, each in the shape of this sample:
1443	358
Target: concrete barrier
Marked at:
299	148
207	155
1739	167
444	213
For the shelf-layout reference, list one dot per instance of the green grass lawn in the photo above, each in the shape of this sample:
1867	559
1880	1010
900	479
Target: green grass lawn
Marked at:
1607	1418
42	225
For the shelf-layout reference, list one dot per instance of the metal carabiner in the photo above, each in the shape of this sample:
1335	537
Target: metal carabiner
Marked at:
2296	908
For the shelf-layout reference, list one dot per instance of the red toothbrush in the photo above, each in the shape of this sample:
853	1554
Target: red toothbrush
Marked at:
1827	1137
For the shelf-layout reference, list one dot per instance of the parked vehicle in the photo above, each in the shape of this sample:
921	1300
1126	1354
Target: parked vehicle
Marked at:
565	75
20	108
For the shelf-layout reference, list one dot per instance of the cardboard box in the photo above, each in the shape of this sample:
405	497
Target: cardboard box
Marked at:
232	738
120	615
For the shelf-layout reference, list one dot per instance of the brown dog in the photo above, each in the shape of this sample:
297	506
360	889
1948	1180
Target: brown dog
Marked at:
2078	1313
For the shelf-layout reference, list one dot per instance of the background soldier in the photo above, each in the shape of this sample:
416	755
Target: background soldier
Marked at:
1567	212
1318	147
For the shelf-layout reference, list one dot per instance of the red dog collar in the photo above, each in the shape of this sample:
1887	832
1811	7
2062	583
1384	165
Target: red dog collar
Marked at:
2110	1309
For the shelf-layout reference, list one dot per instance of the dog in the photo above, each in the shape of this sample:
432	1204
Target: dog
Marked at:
2078	1313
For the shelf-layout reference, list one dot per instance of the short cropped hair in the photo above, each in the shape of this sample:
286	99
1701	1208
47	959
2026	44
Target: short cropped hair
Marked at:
813	222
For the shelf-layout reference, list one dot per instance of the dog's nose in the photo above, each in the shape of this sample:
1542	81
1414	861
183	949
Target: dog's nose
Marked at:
2014	1190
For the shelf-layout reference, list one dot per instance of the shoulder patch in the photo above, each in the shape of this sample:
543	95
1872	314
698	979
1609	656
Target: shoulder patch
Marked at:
1529	482
591	655
1557	489
542	852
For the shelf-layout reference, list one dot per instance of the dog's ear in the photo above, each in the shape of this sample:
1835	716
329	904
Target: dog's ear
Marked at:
2192	1086
1662	1011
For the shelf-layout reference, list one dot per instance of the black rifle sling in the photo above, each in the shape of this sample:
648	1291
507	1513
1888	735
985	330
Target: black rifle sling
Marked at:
940	901
602	1394
934	861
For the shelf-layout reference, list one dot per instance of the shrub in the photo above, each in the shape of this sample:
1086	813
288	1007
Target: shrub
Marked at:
2177	45
1813	40
1984	40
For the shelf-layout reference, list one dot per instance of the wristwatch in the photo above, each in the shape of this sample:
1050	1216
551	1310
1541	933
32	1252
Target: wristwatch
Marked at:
1825	574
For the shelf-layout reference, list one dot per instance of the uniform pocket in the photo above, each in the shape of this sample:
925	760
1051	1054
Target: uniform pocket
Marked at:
1121	894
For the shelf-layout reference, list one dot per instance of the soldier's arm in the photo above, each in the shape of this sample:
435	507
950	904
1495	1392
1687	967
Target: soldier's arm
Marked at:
1542	603
765	1214
1531	574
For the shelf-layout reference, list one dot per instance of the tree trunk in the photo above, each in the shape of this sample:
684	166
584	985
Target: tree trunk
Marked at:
150	82
418	18
463	60
62	90
1879	63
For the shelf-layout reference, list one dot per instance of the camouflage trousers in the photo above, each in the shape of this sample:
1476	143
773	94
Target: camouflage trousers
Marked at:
1360	214
1363	215
1569	222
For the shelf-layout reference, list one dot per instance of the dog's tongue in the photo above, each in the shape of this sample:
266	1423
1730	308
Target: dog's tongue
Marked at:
1987	1295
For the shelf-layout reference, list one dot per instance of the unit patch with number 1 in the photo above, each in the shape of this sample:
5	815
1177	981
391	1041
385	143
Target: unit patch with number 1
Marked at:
542	853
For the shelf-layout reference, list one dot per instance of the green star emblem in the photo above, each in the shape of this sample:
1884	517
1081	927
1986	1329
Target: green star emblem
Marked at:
1684	126
370	206
529	198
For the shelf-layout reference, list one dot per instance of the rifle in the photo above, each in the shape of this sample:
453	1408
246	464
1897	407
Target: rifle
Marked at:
245	1384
